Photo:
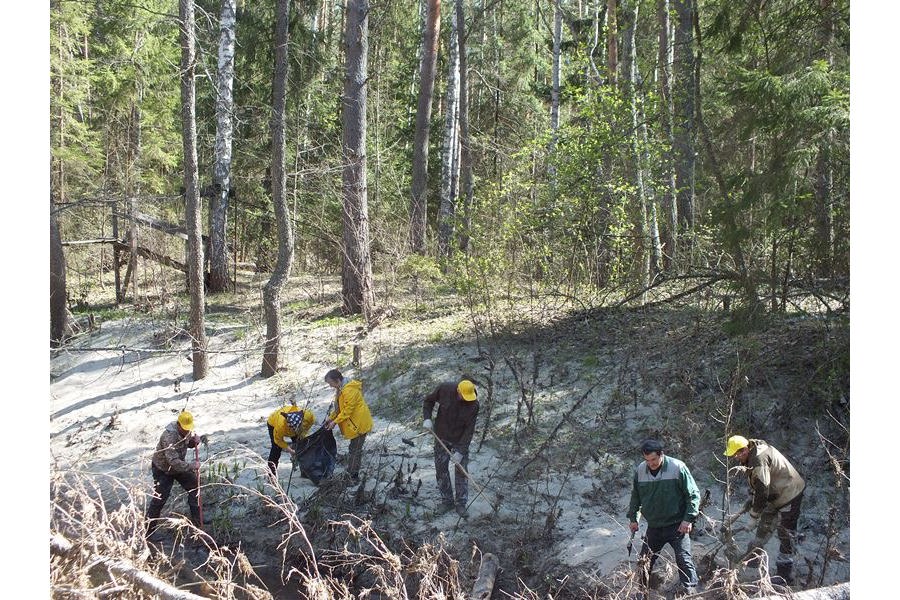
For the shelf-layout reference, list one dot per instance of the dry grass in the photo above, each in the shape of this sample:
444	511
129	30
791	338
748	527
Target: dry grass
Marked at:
99	551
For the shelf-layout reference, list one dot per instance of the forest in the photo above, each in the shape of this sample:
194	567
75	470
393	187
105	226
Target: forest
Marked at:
623	219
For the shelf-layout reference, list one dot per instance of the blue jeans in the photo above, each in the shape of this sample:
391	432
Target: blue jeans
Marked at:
657	537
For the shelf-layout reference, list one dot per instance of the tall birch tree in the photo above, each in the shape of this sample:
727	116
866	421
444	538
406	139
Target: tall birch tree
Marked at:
427	68
684	119
191	189
669	206
644	243
358	289
218	209
447	209
272	289
466	183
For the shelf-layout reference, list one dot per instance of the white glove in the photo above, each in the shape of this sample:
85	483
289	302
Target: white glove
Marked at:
456	457
427	424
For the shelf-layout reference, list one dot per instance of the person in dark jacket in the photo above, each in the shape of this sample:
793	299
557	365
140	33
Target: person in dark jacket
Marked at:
666	495
453	428
776	494
169	465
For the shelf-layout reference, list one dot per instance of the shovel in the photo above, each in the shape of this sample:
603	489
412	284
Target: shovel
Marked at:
631	544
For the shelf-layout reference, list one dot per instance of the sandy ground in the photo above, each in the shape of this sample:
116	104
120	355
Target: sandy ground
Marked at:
108	408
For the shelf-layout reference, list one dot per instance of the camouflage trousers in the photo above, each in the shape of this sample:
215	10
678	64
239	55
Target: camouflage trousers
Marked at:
784	521
442	471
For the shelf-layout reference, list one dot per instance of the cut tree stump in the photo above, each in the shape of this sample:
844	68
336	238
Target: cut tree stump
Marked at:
484	583
840	591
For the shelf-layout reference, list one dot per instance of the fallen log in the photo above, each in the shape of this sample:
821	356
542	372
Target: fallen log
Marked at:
142	580
840	591
487	573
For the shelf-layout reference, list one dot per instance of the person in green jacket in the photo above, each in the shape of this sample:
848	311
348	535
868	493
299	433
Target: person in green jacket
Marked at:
666	495
351	414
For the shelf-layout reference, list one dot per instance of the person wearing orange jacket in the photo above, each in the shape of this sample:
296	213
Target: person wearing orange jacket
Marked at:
288	422
351	414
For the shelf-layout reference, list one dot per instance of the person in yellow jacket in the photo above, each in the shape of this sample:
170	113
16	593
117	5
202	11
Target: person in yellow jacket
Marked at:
288	422
351	414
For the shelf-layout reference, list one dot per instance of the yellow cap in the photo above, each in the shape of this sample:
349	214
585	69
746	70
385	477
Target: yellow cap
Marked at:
735	443
466	389
186	420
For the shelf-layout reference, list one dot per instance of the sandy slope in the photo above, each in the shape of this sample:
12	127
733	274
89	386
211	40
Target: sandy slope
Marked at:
107	409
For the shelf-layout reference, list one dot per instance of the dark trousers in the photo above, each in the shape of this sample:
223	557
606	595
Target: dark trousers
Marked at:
787	517
274	452
657	537
162	487
355	455
442	471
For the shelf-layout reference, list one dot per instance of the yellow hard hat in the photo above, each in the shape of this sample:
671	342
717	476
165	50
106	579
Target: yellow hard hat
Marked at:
466	389
186	420
735	443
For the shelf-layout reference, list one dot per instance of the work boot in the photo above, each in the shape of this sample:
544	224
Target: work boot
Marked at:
785	573
444	505
461	509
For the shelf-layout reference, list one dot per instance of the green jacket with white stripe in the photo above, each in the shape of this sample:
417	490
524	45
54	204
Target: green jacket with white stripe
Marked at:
667	498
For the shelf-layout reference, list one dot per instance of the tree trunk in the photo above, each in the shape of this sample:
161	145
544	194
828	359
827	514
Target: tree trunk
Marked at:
554	90
218	209
419	208
447	210
272	289
612	52
592	72
467	184
59	173
840	591
191	190
497	26
142	580
643	246
824	174
358	290
59	317
684	125
670	207
133	184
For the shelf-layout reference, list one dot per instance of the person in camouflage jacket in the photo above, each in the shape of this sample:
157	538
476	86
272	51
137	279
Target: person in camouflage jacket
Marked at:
169	465
776	490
